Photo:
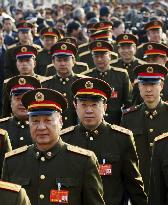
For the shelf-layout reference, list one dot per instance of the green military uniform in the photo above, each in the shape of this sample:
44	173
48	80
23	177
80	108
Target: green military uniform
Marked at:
118	79
159	171
44	57
64	86
13	194
5	146
78	68
146	123
109	143
60	174
18	131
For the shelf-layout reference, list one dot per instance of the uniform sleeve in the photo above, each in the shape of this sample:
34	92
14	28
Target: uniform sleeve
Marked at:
132	178
157	186
92	184
23	198
127	90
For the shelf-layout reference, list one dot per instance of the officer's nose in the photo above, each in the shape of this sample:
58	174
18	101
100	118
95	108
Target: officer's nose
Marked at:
41	125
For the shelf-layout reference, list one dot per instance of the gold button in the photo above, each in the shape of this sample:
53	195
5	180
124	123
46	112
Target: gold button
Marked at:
41	196
64	82
64	94
151	130
151	144
18	123
42	177
67	79
66	118
42	159
151	117
22	126
21	138
37	154
96	132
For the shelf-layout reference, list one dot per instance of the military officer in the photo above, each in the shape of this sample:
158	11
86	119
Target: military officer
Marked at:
13	194
159	176
112	144
63	55
17	125
25	63
78	68
153	53
127	48
49	37
154	35
117	78
5	146
52	171
25	38
148	119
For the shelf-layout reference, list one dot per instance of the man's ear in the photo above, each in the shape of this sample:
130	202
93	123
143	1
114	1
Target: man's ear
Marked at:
74	103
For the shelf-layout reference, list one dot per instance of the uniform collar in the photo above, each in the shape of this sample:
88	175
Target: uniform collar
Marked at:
43	155
153	113
21	123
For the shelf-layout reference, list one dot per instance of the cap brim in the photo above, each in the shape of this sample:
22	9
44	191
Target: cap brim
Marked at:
41	112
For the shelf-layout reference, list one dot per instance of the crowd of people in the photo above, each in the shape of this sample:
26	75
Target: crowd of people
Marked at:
83	103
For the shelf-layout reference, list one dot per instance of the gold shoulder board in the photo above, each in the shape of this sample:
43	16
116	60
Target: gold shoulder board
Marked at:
84	53
162	136
66	130
121	129
10	186
79	150
50	65
4	119
16	151
119	69
2	132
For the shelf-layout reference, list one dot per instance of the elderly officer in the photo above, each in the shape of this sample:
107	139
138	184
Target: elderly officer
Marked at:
112	144
17	125
54	172
117	78
159	171
63	57
13	194
148	119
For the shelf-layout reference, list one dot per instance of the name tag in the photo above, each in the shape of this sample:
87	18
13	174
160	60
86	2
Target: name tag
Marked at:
59	196
105	169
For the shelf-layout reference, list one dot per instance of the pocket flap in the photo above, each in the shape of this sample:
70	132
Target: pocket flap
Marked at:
21	181
67	182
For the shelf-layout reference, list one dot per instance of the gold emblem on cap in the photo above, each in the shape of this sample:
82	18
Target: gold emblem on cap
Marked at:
64	47
156	23
99	44
125	37
39	97
68	40
89	85
150	47
101	24
50	30
25	24
23	49
149	70
22	81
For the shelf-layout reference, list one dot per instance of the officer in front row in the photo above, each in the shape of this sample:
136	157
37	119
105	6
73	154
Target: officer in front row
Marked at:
149	119
13	194
112	144
52	171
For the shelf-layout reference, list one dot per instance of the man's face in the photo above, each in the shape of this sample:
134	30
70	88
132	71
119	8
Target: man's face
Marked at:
158	59
18	109
8	25
49	41
45	129
90	113
150	93
26	66
127	52
102	60
154	35
25	37
63	65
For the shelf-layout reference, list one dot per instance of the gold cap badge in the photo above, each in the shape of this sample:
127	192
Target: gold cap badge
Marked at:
64	47
149	70
39	97
88	85
22	81
23	49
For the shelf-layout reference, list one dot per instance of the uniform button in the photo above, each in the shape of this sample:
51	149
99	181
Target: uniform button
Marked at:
42	177
106	115
18	123
42	159
105	73
151	117
61	79
66	118
37	154
67	79
64	94
49	154
21	138
22	126
41	196
96	132
151	144
151	130
64	82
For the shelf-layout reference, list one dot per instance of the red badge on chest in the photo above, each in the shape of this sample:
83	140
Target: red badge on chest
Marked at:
105	169
59	196
114	94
